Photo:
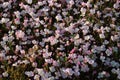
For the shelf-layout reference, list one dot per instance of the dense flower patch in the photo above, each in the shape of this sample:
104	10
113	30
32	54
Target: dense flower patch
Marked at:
59	39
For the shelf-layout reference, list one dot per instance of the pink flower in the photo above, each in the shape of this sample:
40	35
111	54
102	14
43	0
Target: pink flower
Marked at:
78	63
22	51
72	51
53	40
69	71
17	21
63	1
21	5
49	60
83	4
55	63
25	23
89	52
20	34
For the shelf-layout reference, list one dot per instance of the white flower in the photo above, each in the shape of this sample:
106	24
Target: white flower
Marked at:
52	69
17	13
34	64
17	48
5	74
58	17
114	38
77	36
77	42
46	75
118	76
91	61
63	73
69	71
108	52
70	29
107	29
73	56
102	48
4	20
92	11
85	31
6	48
57	74
88	4
5	38
46	55
34	42
64	13
14	64
26	62
102	36
51	78
61	47
2	55
87	37
13	27
99	13
36	77
5	15
83	11
40	3
29	73
29	1
116	5
40	72
48	60
71	2
5	4
45	9
76	70
114	70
